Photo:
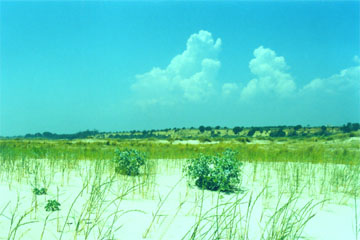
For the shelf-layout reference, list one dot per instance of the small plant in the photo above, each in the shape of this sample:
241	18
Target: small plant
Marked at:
129	161
41	191
216	173
52	206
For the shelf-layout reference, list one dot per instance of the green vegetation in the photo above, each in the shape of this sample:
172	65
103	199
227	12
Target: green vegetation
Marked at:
226	220
315	150
41	191
215	133
52	206
129	161
216	173
318	163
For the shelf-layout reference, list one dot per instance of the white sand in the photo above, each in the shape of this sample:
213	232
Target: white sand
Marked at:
179	212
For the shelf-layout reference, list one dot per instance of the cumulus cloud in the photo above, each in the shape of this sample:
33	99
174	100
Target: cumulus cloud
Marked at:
270	73
188	77
229	88
347	79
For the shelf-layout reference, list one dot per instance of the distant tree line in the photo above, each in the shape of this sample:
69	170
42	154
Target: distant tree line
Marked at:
49	135
349	127
274	131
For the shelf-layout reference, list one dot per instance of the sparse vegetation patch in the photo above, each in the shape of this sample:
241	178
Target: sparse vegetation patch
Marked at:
52	206
129	161
216	173
40	191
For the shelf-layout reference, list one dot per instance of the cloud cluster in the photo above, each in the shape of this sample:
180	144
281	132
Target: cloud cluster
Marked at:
347	79
271	76
189	76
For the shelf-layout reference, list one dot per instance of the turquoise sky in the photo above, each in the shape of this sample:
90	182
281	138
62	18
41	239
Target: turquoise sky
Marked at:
113	65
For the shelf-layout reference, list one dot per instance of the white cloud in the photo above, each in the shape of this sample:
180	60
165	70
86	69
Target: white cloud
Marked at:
188	77
347	79
229	88
271	76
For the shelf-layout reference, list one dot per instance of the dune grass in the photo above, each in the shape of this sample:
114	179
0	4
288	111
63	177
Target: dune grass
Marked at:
312	150
287	168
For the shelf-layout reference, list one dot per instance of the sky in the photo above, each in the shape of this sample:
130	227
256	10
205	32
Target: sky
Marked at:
68	66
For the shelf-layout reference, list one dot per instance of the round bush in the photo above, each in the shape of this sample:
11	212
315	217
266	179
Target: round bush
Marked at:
216	173
129	161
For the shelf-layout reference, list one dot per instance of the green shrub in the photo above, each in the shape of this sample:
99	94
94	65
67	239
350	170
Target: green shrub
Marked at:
278	133
129	161
215	173
41	191
251	132
52	206
204	139
243	139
